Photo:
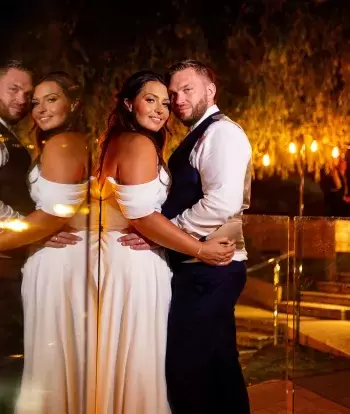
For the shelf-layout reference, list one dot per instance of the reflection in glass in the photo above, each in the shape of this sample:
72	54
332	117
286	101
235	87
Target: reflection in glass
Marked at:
321	309
261	314
54	271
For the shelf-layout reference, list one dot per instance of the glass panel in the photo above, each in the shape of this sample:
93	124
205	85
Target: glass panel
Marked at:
49	283
261	317
321	313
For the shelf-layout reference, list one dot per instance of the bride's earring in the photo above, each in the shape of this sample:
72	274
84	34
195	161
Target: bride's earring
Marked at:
128	105
74	105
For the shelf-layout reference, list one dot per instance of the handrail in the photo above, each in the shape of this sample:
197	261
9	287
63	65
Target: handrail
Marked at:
270	261
276	284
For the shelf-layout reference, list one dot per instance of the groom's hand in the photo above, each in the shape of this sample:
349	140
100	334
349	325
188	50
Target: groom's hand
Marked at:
63	239
136	242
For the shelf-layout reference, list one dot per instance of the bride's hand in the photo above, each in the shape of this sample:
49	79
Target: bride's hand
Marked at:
217	251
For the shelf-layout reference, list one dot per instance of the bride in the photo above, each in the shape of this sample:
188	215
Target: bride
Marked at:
135	287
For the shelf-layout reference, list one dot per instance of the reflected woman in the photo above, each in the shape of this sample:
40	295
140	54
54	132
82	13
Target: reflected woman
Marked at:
54	279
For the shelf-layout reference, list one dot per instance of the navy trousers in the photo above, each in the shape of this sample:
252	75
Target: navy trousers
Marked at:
202	367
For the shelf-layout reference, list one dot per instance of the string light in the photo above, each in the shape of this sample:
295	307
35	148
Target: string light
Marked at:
314	146
335	152
266	160
292	148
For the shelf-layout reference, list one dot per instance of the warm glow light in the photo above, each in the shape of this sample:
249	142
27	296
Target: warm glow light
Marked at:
335	152
14	225
266	160
84	210
63	210
314	146
30	146
292	148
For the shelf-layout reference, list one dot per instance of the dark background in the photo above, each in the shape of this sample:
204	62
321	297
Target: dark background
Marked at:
93	35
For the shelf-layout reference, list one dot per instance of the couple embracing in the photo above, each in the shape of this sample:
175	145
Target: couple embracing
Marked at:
160	330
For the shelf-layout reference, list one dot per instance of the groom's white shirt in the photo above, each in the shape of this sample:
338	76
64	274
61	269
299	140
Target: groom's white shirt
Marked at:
222	156
6	212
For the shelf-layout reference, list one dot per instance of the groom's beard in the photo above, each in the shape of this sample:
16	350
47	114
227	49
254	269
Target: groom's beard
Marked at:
8	118
197	113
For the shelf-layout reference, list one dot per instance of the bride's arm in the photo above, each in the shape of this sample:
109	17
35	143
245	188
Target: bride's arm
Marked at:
60	164
140	167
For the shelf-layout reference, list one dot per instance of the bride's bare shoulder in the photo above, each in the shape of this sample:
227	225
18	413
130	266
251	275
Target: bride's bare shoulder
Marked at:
134	141
67	139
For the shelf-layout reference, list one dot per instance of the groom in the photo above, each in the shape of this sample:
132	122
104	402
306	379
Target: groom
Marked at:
211	177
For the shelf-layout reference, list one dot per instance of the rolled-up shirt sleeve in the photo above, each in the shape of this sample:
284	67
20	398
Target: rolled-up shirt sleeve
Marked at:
222	157
8	213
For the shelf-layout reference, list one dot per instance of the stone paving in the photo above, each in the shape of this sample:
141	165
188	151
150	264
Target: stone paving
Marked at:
276	397
322	394
324	335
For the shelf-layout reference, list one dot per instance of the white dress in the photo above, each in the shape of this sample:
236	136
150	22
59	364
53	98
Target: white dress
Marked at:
135	294
53	294
95	341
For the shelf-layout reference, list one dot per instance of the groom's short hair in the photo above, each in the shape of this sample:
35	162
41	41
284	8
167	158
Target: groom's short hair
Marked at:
199	67
15	64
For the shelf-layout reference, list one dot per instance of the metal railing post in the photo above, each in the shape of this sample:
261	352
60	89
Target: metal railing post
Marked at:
276	284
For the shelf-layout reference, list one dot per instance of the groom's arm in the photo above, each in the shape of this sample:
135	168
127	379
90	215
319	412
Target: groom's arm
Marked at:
222	157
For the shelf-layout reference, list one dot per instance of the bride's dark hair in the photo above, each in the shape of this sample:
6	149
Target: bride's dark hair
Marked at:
76	120
122	120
